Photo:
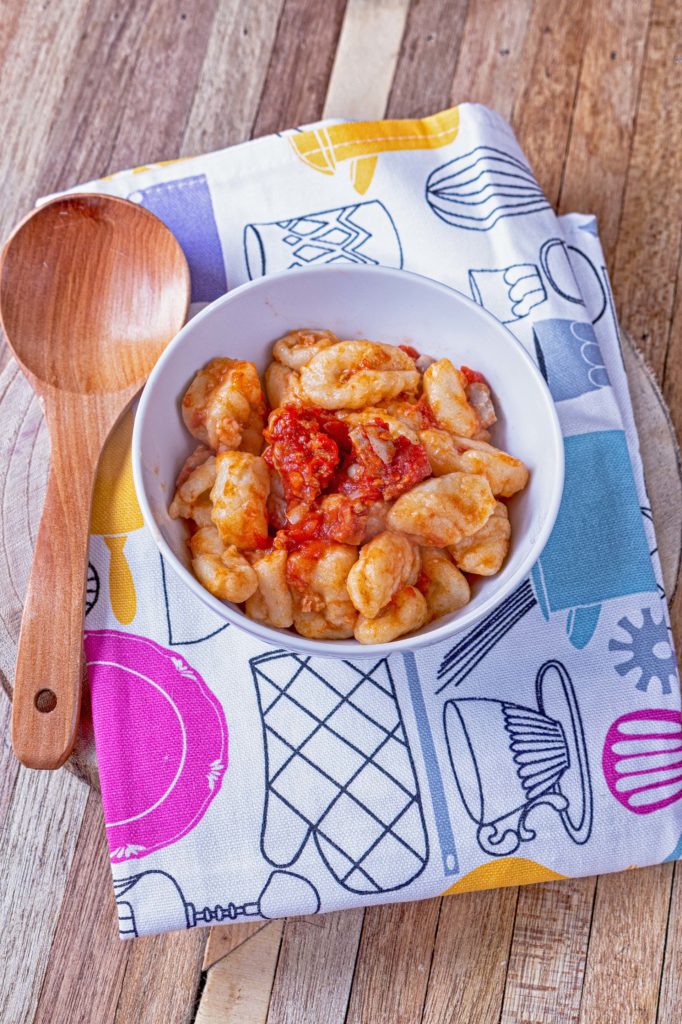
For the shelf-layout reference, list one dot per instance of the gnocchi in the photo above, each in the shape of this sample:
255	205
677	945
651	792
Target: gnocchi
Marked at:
221	400
222	570
407	612
483	553
385	564
449	454
358	507
353	374
443	510
239	496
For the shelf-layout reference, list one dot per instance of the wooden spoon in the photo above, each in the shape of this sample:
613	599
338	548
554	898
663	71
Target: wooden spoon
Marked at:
92	288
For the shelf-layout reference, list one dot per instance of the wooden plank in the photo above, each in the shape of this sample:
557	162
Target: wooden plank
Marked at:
228	91
626	947
113	114
365	59
86	944
428	57
238	987
548	953
37	846
543	106
490	66
223	939
393	964
161	979
670	997
300	65
605	110
315	968
647	253
470	957
40	45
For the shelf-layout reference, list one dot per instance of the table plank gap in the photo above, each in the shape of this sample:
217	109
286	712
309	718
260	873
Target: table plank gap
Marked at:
646	255
366	58
393	963
86	944
300	65
548	952
239	985
670	995
626	947
604	116
470	957
315	968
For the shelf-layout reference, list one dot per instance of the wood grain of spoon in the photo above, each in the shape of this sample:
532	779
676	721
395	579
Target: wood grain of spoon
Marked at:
92	288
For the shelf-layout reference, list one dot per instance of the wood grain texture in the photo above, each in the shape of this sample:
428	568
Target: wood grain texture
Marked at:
366	55
37	844
548	953
393	963
428	57
87	911
604	115
647	255
85	351
670	996
300	64
116	82
238	986
626	947
315	969
470	957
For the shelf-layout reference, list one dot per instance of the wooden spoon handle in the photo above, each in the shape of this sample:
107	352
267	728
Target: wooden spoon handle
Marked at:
48	682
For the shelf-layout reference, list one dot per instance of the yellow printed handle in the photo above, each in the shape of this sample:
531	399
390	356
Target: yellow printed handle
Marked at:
121	586
324	148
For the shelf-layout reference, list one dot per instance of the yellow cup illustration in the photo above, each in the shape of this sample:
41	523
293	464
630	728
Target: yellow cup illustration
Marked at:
361	142
115	514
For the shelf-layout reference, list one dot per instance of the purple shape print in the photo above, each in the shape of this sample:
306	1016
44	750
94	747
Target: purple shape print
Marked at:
161	741
642	759
186	207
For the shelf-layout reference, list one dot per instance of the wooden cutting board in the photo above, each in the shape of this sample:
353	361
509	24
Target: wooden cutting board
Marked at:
24	454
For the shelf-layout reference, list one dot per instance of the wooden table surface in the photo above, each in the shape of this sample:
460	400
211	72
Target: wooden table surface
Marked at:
594	92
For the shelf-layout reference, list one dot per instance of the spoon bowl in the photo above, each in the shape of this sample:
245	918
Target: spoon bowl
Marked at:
92	289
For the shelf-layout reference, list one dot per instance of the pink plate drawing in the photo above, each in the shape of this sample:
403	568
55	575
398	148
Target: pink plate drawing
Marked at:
161	739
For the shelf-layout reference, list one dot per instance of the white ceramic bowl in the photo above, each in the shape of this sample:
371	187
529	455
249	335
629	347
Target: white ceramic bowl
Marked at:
356	302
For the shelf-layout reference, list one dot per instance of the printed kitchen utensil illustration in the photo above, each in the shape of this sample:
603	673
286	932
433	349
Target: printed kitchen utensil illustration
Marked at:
244	782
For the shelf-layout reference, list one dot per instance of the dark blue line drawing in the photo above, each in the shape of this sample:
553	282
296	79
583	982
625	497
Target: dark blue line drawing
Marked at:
463	658
569	357
188	620
469	192
648	649
363	233
441	815
139	897
338	769
508	760
509	293
600	519
573	275
186	207
91	589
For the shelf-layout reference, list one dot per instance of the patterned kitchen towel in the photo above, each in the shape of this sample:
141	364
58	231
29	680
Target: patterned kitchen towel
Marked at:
240	781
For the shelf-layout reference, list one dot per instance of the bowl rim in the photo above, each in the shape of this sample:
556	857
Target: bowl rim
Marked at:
279	638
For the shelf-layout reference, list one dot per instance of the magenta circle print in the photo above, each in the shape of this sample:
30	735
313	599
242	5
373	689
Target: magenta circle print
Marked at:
162	761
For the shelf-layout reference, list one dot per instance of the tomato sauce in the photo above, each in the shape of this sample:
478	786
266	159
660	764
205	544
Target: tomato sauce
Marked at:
472	376
303	447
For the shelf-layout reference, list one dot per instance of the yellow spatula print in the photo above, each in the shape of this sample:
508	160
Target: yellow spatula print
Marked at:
115	514
361	142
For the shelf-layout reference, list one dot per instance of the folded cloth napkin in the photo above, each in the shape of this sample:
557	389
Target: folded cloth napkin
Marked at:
241	781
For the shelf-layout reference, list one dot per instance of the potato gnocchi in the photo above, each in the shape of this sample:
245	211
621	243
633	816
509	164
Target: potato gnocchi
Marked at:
360	497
